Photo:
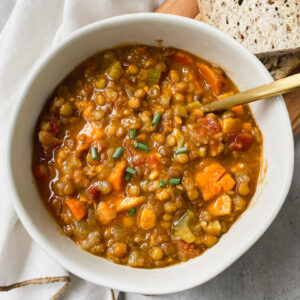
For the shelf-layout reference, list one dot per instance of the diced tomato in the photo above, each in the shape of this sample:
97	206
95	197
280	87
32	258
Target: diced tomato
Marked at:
236	145
153	159
242	141
229	137
125	80
87	90
183	58
187	250
210	125
135	158
54	125
93	192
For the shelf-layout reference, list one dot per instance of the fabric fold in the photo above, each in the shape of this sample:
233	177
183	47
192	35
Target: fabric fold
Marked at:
33	29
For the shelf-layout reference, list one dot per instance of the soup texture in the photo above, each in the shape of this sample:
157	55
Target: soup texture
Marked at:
130	166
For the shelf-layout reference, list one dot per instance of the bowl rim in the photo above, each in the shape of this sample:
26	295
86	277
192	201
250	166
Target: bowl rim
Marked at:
49	248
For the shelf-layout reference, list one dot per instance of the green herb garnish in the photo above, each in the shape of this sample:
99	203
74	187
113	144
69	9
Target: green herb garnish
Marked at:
94	153
118	152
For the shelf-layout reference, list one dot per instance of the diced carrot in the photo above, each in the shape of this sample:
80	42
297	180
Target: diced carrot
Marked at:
77	208
147	217
183	58
212	172
214	80
213	180
227	183
106	213
247	126
128	221
220	206
128	202
87	135
238	110
231	125
116	178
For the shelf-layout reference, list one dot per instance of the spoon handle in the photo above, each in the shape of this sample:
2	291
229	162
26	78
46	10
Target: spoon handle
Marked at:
188	8
274	88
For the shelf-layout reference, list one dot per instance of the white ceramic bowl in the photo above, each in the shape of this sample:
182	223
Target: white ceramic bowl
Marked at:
206	42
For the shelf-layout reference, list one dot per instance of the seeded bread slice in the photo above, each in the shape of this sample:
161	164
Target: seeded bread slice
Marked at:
263	26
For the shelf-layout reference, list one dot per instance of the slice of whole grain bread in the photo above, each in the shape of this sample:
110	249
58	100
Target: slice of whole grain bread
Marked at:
263	26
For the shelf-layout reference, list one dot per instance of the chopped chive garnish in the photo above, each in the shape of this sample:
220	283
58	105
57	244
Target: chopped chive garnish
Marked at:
131	211
163	183
175	180
132	133
141	146
127	176
118	152
94	153
130	171
181	150
155	119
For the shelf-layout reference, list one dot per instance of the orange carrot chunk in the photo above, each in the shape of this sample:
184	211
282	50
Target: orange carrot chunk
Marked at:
214	80
214	180
231	125
183	58
220	206
106	213
238	110
117	176
77	208
147	217
89	134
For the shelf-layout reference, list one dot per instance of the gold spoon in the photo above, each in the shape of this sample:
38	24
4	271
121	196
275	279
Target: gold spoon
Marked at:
274	88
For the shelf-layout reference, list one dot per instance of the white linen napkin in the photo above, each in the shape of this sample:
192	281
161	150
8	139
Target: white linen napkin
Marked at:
35	26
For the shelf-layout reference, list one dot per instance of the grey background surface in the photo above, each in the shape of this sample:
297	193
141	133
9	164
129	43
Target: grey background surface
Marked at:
269	270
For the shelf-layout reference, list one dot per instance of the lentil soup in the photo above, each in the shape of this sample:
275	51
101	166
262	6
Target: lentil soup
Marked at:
131	167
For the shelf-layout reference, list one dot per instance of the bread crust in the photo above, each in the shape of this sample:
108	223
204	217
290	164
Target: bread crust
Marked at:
246	20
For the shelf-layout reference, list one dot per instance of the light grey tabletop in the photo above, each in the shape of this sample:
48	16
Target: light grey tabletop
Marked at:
269	270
